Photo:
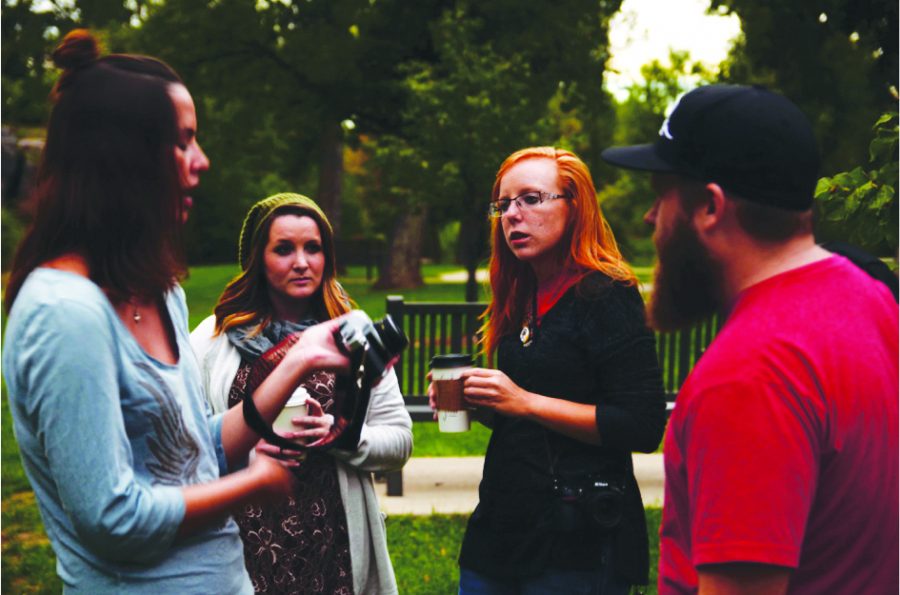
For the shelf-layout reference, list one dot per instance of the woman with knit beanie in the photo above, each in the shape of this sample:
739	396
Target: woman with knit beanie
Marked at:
329	537
116	439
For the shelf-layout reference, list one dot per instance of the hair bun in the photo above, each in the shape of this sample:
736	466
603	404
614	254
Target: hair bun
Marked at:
77	49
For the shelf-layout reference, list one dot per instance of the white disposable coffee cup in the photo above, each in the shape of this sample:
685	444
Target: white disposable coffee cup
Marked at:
296	406
446	374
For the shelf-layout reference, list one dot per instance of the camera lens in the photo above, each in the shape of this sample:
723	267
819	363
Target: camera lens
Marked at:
391	336
606	509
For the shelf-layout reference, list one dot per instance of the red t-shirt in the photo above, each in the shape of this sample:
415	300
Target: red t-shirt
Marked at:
783	446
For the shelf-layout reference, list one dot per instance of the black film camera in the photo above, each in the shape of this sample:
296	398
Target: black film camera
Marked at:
374	344
590	500
371	348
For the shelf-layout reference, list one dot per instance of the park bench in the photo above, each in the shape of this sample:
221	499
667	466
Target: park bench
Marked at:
435	328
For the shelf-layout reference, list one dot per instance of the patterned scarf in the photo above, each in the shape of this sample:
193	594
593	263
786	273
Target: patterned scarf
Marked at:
252	346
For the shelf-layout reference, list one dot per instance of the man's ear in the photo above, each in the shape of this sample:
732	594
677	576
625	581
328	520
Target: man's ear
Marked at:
710	213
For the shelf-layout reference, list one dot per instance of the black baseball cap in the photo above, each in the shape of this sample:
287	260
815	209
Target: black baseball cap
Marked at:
749	140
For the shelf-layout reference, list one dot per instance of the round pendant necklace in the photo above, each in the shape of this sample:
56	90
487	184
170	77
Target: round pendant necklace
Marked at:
526	336
554	291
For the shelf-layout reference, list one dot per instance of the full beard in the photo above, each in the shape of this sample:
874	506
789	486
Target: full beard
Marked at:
687	281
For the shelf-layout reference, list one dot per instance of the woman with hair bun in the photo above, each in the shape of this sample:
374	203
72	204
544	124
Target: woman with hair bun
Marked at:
577	389
125	458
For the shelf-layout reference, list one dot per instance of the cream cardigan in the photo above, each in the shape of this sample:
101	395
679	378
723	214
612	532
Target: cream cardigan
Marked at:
385	444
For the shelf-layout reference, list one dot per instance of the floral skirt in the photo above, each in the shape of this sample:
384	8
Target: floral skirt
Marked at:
300	546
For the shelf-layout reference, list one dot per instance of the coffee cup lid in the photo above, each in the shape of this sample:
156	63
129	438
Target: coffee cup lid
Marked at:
298	397
452	360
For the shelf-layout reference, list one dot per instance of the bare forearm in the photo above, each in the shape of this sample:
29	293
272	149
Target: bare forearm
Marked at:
576	420
207	504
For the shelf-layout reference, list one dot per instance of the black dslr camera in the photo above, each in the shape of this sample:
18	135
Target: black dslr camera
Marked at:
373	344
590	500
370	347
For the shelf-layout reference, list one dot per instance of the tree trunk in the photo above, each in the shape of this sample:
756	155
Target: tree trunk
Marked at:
331	171
473	239
401	266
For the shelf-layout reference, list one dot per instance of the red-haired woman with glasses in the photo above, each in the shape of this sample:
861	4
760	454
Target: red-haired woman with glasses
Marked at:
577	388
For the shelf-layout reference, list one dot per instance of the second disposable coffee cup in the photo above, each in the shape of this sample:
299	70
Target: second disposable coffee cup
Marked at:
446	374
296	406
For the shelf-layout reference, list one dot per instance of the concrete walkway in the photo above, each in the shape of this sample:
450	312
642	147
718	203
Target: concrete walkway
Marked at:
450	484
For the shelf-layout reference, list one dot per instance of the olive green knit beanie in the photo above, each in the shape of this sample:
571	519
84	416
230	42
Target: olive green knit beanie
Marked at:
260	213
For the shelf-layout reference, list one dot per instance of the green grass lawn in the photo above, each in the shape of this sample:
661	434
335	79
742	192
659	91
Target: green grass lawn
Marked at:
423	549
429	442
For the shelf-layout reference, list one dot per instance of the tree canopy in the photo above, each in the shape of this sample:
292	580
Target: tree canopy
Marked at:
836	58
395	115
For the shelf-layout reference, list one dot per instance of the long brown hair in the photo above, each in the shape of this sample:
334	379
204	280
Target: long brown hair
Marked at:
246	298
108	186
591	245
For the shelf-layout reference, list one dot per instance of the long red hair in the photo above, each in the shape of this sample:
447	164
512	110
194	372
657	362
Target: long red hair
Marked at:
591	245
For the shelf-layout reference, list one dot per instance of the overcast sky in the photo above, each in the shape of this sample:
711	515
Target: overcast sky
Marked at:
646	29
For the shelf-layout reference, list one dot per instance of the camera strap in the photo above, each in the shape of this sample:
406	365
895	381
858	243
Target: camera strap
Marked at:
552	456
553	460
352	393
256	422
351	396
259	371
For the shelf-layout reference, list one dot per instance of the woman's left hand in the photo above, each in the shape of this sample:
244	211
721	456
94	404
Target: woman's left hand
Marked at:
312	426
494	390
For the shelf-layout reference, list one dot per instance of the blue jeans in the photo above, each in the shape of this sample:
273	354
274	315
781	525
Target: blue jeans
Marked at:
561	582
602	581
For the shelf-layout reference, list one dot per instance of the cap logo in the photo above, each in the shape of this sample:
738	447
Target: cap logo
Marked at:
664	129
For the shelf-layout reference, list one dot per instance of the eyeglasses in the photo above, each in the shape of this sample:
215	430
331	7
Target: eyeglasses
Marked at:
525	202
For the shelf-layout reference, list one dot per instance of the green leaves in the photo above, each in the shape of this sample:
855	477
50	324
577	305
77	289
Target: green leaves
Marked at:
860	206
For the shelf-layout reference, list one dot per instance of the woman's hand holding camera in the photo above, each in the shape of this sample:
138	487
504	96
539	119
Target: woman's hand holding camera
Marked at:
316	349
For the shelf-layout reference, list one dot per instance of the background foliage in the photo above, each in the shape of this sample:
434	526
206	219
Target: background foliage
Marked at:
861	205
394	115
